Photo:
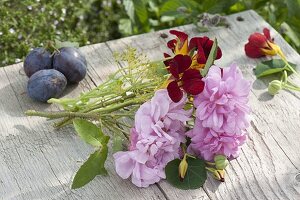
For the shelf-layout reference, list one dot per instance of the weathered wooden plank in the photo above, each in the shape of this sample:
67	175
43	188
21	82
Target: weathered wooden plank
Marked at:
38	162
269	162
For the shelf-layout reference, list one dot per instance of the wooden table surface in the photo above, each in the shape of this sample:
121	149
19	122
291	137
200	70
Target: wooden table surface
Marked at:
37	162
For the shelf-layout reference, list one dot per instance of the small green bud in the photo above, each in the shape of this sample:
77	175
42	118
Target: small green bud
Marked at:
274	87
221	161
219	175
183	166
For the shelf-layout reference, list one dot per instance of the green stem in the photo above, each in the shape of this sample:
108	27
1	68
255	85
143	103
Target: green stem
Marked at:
293	70
61	114
105	104
210	169
288	65
112	128
210	163
116	107
288	86
292	84
63	123
95	114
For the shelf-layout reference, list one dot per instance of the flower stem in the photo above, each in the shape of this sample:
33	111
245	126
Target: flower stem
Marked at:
61	114
110	102
288	86
116	107
282	56
64	122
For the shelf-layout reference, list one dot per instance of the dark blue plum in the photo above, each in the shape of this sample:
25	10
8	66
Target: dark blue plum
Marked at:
71	63
46	84
37	59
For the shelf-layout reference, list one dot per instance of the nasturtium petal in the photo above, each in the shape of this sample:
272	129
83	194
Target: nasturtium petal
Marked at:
192	82
174	91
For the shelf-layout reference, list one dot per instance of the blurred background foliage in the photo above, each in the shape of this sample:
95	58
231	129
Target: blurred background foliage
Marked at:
25	24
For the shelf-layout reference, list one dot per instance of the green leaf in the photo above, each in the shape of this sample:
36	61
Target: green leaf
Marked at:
59	44
293	7
125	26
217	6
269	67
89	132
167	18
169	8
117	143
160	67
211	58
129	7
290	33
141	11
195	175
92	167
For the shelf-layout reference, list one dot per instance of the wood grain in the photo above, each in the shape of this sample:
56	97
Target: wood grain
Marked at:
37	162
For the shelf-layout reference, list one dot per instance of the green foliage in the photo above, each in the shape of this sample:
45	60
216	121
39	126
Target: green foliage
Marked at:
273	66
59	44
211	58
89	132
195	176
283	15
94	166
29	23
117	143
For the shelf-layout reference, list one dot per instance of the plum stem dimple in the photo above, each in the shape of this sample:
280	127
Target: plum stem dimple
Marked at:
51	47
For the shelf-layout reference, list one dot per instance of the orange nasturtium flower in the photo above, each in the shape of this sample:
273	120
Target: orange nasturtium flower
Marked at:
260	45
184	67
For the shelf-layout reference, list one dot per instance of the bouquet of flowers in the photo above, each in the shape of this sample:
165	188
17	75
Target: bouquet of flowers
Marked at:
179	117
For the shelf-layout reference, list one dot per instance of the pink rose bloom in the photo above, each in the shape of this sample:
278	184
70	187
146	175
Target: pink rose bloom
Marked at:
222	106
161	114
206	143
133	163
221	115
155	140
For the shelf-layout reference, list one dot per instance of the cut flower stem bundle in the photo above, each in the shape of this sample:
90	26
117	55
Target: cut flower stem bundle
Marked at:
128	87
186	115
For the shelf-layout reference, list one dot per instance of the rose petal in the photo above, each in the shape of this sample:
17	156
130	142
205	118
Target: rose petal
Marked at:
124	163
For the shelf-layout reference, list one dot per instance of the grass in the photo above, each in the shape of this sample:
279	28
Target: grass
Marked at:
25	24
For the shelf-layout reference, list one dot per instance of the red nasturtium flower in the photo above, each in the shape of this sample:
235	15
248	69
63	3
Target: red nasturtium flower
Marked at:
185	65
260	45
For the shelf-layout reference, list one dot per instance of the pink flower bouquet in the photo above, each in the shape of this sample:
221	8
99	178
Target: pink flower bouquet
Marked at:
189	116
219	112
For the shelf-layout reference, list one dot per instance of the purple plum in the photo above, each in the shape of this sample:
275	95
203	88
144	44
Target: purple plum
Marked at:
46	84
37	59
71	63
